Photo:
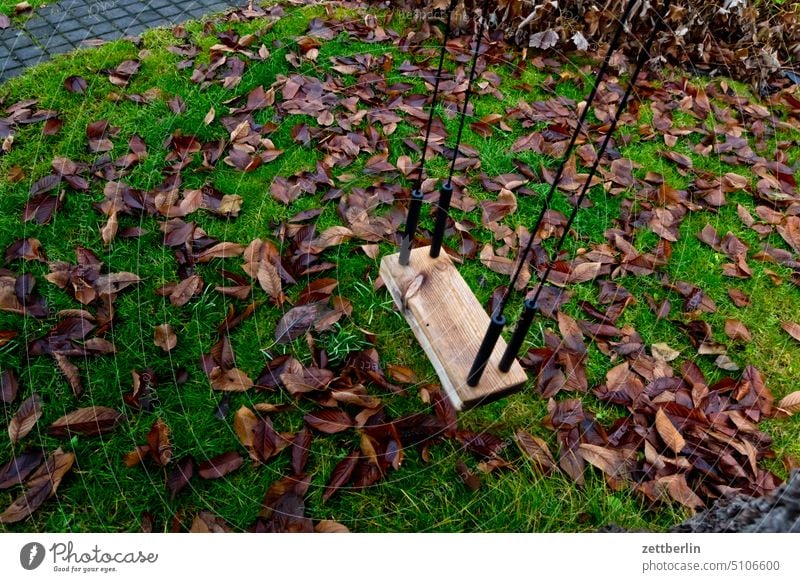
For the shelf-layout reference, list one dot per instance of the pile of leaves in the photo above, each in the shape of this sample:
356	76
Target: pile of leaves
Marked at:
739	38
681	438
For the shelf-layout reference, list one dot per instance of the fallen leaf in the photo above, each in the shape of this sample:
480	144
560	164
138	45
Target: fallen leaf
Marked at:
41	485
737	331
467	477
329	421
790	403
158	440
329	526
220	465
663	352
164	337
8	387
537	451
610	461
19	467
341	474
75	84
233	380
668	433
793	329
25	418
90	421
296	322
180	475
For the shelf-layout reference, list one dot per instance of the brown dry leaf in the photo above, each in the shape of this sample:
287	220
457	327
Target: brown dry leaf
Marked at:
668	433
537	451
209	116
220	465
8	386
233	380
185	290
206	522
136	456
739	298
90	421
330	526
109	230
219	251
244	425
335	235
793	329
341	474
329	421
679	490
296	322
158	441
164	337
467	477
71	373
612	462
737	331
663	352
115	282
25	419
501	265
402	374
790	403
40	487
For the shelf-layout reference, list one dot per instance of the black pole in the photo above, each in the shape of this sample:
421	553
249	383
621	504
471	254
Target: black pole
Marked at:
567	153
445	196
418	183
496	325
411	226
446	192
524	256
525	320
415	205
515	342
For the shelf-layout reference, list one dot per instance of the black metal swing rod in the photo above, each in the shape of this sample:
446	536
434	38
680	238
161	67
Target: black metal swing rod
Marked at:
446	190
530	306
415	206
498	320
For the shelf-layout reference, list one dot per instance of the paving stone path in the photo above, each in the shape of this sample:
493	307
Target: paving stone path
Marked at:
63	26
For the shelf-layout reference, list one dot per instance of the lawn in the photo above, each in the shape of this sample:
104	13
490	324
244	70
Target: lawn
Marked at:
172	92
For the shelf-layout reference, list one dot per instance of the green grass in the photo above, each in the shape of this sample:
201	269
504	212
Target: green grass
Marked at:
100	494
8	6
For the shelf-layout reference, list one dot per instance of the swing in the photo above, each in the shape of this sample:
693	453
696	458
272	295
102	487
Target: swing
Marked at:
445	316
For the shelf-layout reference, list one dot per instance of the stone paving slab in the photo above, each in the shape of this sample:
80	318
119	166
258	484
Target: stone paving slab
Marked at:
63	26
